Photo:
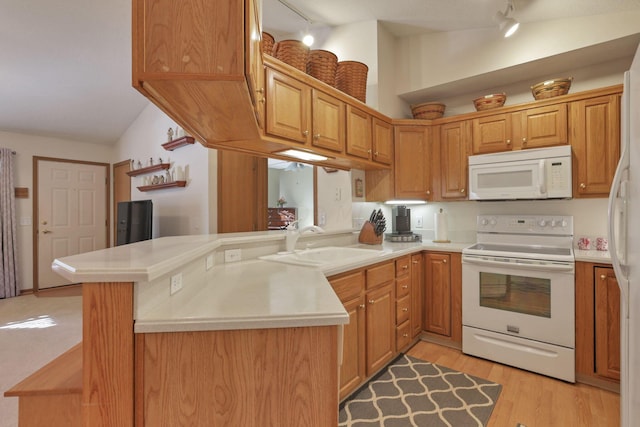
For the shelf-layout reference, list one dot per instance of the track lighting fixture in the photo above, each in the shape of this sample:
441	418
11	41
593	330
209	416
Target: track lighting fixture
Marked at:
508	25
307	39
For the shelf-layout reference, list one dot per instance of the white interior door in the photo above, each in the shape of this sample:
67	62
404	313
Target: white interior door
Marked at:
72	214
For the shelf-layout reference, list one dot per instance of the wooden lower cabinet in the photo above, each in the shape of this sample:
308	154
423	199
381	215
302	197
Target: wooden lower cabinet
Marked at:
597	325
417	281
380	327
443	295
274	377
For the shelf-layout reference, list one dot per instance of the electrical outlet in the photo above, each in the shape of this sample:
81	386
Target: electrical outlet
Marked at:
419	221
233	255
176	283
209	262
338	194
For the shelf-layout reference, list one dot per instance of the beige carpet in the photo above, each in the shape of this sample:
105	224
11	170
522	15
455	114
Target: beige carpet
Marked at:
33	331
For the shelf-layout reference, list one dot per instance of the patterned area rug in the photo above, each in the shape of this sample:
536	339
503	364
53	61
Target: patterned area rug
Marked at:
412	392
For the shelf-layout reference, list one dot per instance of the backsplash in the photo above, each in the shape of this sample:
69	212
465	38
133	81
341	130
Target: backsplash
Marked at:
589	215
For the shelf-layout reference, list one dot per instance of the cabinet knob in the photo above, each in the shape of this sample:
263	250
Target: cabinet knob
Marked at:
405	335
414	261
361	306
316	136
261	100
462	190
444	261
261	90
508	142
603	277
428	192
372	301
404	310
582	186
305	132
369	151
404	267
524	140
405	286
375	154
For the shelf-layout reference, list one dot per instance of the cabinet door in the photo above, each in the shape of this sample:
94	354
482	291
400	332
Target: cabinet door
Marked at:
255	68
595	138
358	133
288	107
352	371
416	294
412	162
492	134
454	153
382	141
541	127
607	323
437	298
381	327
328	122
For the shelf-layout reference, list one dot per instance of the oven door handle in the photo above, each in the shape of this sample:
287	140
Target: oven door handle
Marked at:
518	264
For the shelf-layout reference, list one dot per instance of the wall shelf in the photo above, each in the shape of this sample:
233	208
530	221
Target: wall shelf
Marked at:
162	186
177	143
149	169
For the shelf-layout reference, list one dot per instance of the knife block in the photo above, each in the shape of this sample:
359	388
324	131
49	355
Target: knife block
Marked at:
368	235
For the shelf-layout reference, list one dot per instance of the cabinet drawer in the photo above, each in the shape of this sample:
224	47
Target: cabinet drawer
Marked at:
402	286
403	335
403	309
349	286
380	274
403	265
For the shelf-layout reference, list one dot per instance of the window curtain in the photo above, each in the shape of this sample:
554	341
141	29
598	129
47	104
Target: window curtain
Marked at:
8	249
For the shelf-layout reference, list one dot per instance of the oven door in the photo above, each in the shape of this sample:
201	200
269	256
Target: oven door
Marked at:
525	298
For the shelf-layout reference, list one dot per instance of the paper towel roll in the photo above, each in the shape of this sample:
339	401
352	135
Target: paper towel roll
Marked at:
441	228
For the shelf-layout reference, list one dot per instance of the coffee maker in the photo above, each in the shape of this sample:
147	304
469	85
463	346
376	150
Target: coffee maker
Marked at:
401	219
401	226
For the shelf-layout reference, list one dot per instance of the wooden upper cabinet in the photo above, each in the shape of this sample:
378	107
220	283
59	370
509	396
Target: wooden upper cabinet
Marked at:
255	66
595	138
454	150
288	110
190	58
358	133
328	121
492	134
540	127
412	158
382	133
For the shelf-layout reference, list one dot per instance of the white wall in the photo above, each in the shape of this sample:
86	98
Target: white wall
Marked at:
176	211
26	147
438	58
334	200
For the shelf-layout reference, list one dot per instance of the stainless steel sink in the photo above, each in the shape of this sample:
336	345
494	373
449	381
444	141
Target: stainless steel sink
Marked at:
328	255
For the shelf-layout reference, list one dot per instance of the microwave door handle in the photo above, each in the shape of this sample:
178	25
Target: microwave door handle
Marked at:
542	179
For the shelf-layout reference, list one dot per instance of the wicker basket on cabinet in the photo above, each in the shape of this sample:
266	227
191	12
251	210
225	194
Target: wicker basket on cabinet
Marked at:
428	110
351	78
293	52
323	65
551	88
267	43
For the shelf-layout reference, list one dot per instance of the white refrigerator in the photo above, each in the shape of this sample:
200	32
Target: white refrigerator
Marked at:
624	244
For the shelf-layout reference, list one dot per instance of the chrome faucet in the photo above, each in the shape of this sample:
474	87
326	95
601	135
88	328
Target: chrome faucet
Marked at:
293	233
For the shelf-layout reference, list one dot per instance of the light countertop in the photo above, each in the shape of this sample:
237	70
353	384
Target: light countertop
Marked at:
250	294
592	256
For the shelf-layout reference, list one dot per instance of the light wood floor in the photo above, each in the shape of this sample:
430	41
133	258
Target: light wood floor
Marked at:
527	398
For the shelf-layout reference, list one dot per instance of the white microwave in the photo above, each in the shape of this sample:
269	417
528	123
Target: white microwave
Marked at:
542	173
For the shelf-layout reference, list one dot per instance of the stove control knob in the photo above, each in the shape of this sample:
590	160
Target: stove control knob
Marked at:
493	221
484	221
542	223
563	223
555	223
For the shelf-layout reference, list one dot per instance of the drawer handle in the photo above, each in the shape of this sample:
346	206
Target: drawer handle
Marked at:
372	301
405	286
414	261
405	309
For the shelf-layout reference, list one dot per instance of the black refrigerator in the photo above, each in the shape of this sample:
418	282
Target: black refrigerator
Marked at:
134	221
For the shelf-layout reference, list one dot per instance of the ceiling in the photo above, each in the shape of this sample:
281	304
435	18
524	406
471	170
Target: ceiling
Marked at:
66	66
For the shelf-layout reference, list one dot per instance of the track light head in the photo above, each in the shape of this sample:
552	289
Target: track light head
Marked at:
508	25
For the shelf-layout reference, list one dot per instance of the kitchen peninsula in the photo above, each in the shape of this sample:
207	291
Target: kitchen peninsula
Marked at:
238	343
